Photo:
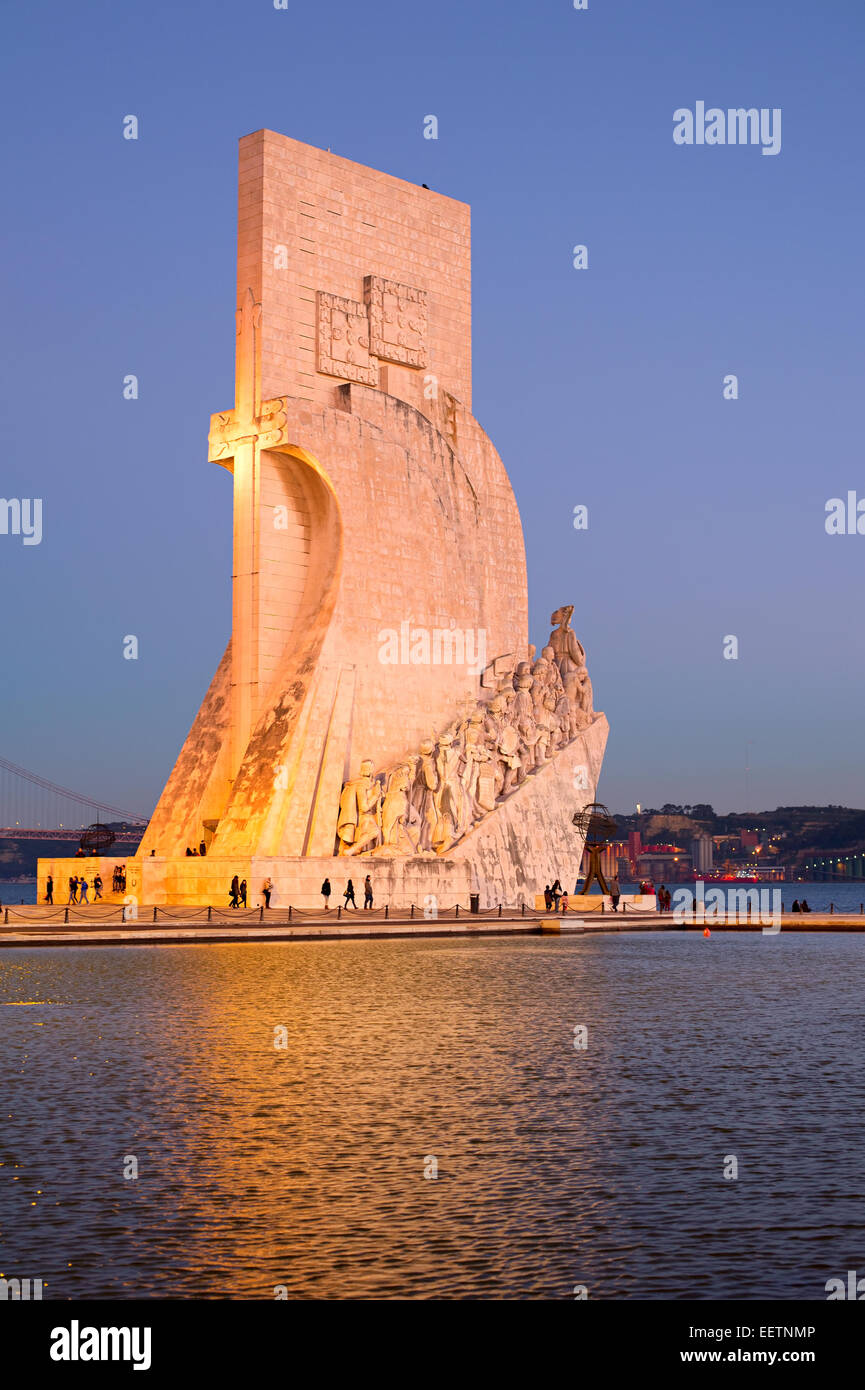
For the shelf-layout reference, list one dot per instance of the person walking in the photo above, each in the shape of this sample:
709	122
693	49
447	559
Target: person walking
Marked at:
556	891
234	893
565	901
548	899
367	893
243	892
97	887
325	893
615	891
266	891
73	889
49	889
349	895
202	849
82	891
662	898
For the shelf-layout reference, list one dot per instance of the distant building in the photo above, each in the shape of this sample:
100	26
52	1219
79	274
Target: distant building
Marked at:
664	864
702	853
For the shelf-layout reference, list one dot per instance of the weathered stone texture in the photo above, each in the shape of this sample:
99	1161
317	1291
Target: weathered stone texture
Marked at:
366	497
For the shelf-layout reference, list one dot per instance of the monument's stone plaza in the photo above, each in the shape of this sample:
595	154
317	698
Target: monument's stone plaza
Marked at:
378	709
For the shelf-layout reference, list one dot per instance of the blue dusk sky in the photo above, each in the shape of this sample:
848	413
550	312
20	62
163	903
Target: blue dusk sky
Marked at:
600	387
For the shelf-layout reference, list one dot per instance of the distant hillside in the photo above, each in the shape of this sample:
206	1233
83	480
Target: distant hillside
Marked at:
794	829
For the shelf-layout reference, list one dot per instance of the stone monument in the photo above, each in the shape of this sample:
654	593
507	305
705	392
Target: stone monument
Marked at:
378	697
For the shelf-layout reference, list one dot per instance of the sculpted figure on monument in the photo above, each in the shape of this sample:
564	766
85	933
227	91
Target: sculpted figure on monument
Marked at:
551	703
359	824
509	753
554	675
479	783
586	712
494	724
540	677
434	798
450	798
396	811
503	742
508	690
523	715
565	719
424	796
571	661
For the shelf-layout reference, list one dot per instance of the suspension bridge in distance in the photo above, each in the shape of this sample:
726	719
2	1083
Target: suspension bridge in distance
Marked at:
34	808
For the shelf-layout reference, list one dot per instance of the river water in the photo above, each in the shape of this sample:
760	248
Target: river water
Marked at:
297	1158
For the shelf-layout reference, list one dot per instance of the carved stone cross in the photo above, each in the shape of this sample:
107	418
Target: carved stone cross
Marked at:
235	441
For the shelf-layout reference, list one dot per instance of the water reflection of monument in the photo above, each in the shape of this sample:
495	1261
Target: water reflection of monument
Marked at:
367	499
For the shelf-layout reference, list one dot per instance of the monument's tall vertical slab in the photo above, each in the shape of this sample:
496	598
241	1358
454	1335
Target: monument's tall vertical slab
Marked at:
379	577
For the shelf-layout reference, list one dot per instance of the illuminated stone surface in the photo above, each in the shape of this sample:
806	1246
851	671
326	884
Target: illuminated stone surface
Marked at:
369	506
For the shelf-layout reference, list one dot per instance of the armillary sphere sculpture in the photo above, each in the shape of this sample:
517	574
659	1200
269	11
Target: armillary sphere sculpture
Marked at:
598	827
97	837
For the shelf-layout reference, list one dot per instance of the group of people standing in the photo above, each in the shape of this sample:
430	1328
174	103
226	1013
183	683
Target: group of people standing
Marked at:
238	891
348	894
556	897
78	889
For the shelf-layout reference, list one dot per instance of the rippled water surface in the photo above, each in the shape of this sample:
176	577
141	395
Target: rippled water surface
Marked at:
303	1165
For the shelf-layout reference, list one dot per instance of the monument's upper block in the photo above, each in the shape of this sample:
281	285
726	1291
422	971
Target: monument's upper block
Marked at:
360	276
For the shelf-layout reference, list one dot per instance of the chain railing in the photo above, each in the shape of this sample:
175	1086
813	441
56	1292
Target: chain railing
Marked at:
138	915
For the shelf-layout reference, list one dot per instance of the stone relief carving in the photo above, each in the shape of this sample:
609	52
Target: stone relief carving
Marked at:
268	427
343	339
395	813
359	825
571	660
429	801
423	797
397	321
390	324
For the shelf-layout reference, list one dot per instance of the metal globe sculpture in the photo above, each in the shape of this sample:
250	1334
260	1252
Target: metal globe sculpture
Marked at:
597	827
97	837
